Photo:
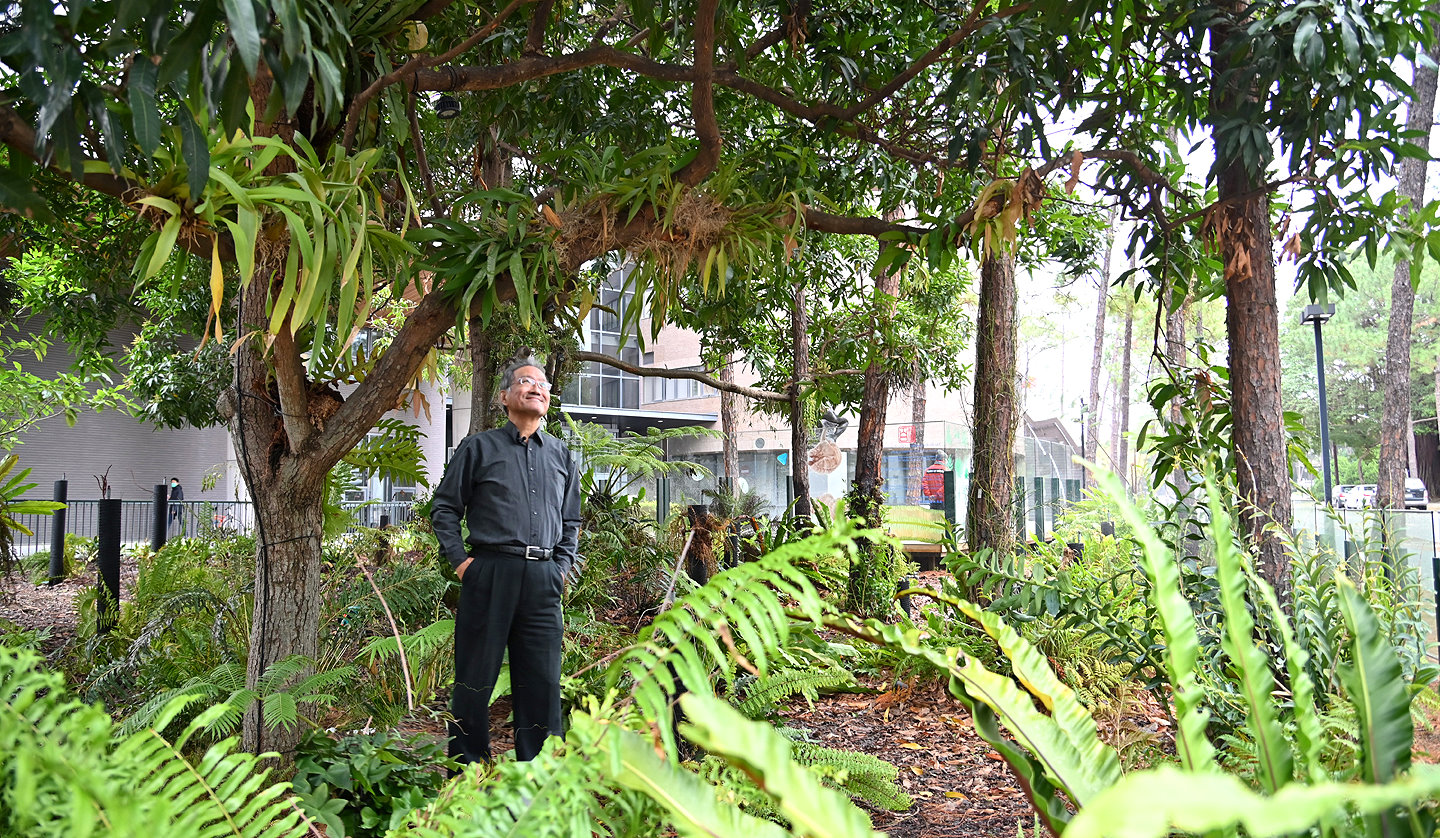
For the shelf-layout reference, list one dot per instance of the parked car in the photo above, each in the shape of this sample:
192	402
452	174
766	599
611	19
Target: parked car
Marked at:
1339	493
1360	497
1416	495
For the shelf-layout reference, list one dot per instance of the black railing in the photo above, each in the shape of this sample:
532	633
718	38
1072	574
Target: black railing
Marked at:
202	518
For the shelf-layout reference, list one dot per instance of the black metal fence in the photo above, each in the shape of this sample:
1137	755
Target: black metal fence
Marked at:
203	518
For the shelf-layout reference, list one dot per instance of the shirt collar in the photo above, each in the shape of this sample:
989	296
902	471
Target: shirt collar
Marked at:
513	433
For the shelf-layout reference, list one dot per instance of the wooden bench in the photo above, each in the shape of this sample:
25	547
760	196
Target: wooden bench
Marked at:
920	530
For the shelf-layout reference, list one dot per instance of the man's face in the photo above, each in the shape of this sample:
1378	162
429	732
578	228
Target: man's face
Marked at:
529	395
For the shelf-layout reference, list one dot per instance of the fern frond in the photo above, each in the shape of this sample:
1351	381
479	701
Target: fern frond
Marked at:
863	775
760	695
697	640
61	773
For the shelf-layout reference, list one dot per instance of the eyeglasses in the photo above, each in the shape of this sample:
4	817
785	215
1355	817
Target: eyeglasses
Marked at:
527	381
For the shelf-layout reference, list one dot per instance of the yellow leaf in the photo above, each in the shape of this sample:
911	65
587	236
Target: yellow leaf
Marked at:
217	284
912	746
958	795
917	771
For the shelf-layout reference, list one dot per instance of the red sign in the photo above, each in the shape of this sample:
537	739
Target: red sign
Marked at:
907	434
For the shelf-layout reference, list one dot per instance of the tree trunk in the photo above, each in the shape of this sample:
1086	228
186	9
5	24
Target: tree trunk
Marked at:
730	450
1175	354
482	374
913	494
990	522
1395	405
1241	225
799	431
288	517
871	569
1122	404
1097	357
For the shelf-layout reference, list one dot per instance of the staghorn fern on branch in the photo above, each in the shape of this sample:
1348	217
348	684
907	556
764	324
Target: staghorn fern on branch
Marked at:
63	773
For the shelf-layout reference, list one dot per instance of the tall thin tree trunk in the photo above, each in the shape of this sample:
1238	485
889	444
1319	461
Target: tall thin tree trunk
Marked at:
1395	413
1252	321
913	494
799	430
729	422
864	500
1122	407
1097	357
990	521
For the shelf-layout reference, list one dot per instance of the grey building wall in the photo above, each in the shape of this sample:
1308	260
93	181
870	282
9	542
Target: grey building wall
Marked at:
138	455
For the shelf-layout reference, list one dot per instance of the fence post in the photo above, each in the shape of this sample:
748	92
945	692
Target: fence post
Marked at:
107	601
57	535
1435	580
952	502
160	521
384	521
1039	510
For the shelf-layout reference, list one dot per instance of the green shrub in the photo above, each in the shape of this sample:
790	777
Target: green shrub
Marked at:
64	771
362	785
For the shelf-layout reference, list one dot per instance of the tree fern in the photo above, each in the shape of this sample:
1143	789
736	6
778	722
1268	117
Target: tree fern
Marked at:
62	774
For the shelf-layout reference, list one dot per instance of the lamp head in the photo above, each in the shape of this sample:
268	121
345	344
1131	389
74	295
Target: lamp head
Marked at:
447	106
1317	313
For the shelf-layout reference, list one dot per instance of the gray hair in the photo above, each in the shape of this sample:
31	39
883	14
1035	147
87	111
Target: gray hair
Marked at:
523	358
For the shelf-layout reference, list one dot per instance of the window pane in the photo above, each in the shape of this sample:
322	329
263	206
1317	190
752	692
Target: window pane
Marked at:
590	390
631	392
610	392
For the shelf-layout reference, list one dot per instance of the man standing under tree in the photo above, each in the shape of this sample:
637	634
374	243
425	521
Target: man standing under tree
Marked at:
517	490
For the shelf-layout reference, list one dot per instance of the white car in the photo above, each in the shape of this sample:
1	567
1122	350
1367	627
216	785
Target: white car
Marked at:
1416	495
1360	497
1339	493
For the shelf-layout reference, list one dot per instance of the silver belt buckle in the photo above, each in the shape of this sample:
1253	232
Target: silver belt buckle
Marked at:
537	556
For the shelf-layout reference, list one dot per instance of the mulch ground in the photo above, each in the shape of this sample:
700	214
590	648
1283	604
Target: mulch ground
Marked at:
961	787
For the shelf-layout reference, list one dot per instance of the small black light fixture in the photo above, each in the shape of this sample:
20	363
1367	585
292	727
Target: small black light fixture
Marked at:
447	106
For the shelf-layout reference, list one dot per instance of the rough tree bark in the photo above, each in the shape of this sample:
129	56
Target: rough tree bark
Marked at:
482	374
729	420
1122	403
799	433
917	441
990	522
1395	415
1097	357
865	499
1240	223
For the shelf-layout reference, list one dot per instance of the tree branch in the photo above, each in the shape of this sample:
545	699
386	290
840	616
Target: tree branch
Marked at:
421	161
292	386
352	116
539	19
702	99
826	222
19	136
650	372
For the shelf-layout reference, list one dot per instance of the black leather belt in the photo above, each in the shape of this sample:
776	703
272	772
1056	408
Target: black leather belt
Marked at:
534	554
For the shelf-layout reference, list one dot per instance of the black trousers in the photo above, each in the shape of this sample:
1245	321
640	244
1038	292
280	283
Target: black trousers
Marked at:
507	602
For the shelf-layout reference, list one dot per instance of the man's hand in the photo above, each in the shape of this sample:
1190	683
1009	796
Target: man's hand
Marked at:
460	571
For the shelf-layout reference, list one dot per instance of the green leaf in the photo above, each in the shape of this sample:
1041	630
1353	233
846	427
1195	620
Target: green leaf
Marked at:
1275	760
164	245
18	195
812	808
1375	684
196	146
1182	644
245	30
1166	800
146	117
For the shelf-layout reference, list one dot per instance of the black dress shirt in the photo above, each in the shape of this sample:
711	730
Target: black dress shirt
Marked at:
512	491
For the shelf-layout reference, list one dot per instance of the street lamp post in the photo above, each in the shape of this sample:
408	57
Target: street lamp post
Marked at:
1318	314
